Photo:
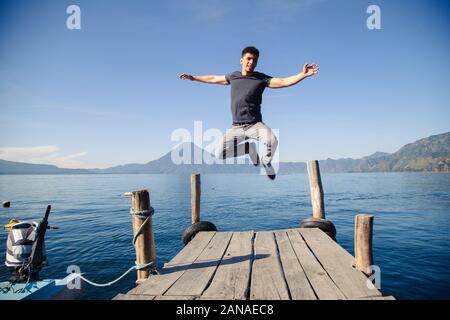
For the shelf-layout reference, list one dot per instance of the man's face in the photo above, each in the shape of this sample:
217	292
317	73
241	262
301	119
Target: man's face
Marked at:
249	62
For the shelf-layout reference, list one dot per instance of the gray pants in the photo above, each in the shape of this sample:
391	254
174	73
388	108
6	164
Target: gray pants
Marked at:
230	145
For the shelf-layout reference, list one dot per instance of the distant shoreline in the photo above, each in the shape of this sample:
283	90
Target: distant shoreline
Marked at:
431	154
218	173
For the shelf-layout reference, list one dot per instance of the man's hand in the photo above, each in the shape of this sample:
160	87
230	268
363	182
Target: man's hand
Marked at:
310	69
186	76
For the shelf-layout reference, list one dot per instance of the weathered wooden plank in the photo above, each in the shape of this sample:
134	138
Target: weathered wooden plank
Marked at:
175	298
195	280
158	284
209	298
338	263
322	284
192	250
377	298
133	297
296	279
232	278
267	281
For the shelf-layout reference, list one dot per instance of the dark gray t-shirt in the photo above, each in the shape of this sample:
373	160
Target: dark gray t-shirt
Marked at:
246	95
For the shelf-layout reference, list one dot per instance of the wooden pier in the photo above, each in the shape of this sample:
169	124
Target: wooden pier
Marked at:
303	263
297	264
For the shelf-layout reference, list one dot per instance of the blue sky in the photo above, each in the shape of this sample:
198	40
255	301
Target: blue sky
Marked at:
109	93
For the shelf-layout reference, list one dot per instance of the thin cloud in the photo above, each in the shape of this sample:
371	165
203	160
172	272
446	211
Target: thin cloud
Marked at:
26	151
43	155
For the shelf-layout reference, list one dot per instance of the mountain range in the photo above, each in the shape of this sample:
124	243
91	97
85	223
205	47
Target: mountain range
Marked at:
427	154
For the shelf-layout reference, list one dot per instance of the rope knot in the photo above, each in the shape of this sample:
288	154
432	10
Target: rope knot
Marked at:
143	213
147	266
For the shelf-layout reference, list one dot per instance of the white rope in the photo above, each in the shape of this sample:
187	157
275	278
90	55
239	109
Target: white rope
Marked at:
142	214
137	267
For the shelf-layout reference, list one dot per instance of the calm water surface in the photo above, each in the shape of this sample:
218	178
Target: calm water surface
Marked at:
411	227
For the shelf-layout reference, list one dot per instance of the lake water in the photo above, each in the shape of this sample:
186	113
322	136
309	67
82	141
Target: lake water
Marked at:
411	227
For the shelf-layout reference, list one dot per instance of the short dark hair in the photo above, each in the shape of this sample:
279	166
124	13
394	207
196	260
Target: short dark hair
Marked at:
251	50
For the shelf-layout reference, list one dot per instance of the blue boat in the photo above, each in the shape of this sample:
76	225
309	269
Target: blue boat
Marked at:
49	289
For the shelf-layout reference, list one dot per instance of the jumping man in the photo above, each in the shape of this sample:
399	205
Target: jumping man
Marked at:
247	87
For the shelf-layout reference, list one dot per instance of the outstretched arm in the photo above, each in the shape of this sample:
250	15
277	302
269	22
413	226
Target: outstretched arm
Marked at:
205	79
308	70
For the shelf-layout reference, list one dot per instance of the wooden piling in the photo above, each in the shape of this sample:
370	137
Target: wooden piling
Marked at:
363	242
143	235
195	197
315	185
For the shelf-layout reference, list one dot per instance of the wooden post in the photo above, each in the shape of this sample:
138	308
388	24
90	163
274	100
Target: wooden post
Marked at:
363	242
315	186
195	197
145	243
